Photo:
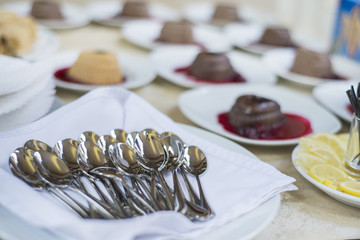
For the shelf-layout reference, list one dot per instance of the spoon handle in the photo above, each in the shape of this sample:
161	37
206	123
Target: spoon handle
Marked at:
169	197
204	203
69	202
193	195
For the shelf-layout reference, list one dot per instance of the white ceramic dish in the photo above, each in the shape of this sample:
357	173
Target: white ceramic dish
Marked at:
137	70
340	196
45	45
244	35
167	59
279	61
333	96
74	16
144	33
102	12
202	106
245	227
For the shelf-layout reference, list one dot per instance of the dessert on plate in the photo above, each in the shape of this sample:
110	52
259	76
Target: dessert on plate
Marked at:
177	32
17	34
225	13
211	67
93	67
313	64
45	10
276	36
257	117
135	9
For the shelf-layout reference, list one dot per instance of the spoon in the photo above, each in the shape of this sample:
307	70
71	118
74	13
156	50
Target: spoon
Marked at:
89	136
130	139
125	160
119	135
36	145
104	142
196	164
90	156
22	165
57	174
153	157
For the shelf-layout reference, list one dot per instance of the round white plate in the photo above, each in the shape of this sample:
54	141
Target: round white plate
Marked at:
202	12
332	95
74	16
202	106
167	59
246	226
279	61
244	35
45	45
102	12
137	70
144	33
340	196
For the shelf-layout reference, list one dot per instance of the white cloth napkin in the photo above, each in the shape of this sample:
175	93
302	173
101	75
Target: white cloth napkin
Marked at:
233	183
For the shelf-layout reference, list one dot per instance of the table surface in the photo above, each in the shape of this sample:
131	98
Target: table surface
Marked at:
304	214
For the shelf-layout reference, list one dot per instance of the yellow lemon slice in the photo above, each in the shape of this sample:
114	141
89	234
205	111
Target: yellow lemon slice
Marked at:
351	187
328	155
337	144
306	160
327	174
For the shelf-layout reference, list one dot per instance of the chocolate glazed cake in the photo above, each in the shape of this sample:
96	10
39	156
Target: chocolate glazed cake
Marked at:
312	64
251	116
46	10
225	12
212	66
177	32
277	36
137	9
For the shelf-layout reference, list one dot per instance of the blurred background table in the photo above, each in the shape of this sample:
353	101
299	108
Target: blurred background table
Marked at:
304	214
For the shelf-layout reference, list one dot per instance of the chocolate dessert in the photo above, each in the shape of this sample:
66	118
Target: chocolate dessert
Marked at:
251	116
276	36
46	10
136	9
96	67
312	64
226	13
212	66
177	32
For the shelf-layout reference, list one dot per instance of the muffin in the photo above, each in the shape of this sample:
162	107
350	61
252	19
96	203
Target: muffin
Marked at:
276	36
177	32
96	67
225	13
46	10
212	66
312	64
19	33
137	9
252	115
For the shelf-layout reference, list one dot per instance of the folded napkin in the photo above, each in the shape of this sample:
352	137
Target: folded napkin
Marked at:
234	184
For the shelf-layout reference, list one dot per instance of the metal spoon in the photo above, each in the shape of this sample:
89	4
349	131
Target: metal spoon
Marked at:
57	173
104	142
36	145
22	165
151	156
89	136
196	164
119	135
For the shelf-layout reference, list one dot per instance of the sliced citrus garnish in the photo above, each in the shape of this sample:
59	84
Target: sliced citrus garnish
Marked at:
334	142
351	187
328	174
306	160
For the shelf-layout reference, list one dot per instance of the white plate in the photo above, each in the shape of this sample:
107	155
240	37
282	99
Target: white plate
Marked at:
243	35
279	61
246	226
202	106
102	12
340	196
45	45
202	12
137	70
143	33
74	16
333	96
167	59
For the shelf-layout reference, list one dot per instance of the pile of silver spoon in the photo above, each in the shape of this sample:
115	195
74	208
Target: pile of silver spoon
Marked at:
120	175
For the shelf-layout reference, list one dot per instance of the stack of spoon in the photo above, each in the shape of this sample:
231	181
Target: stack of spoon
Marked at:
120	175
